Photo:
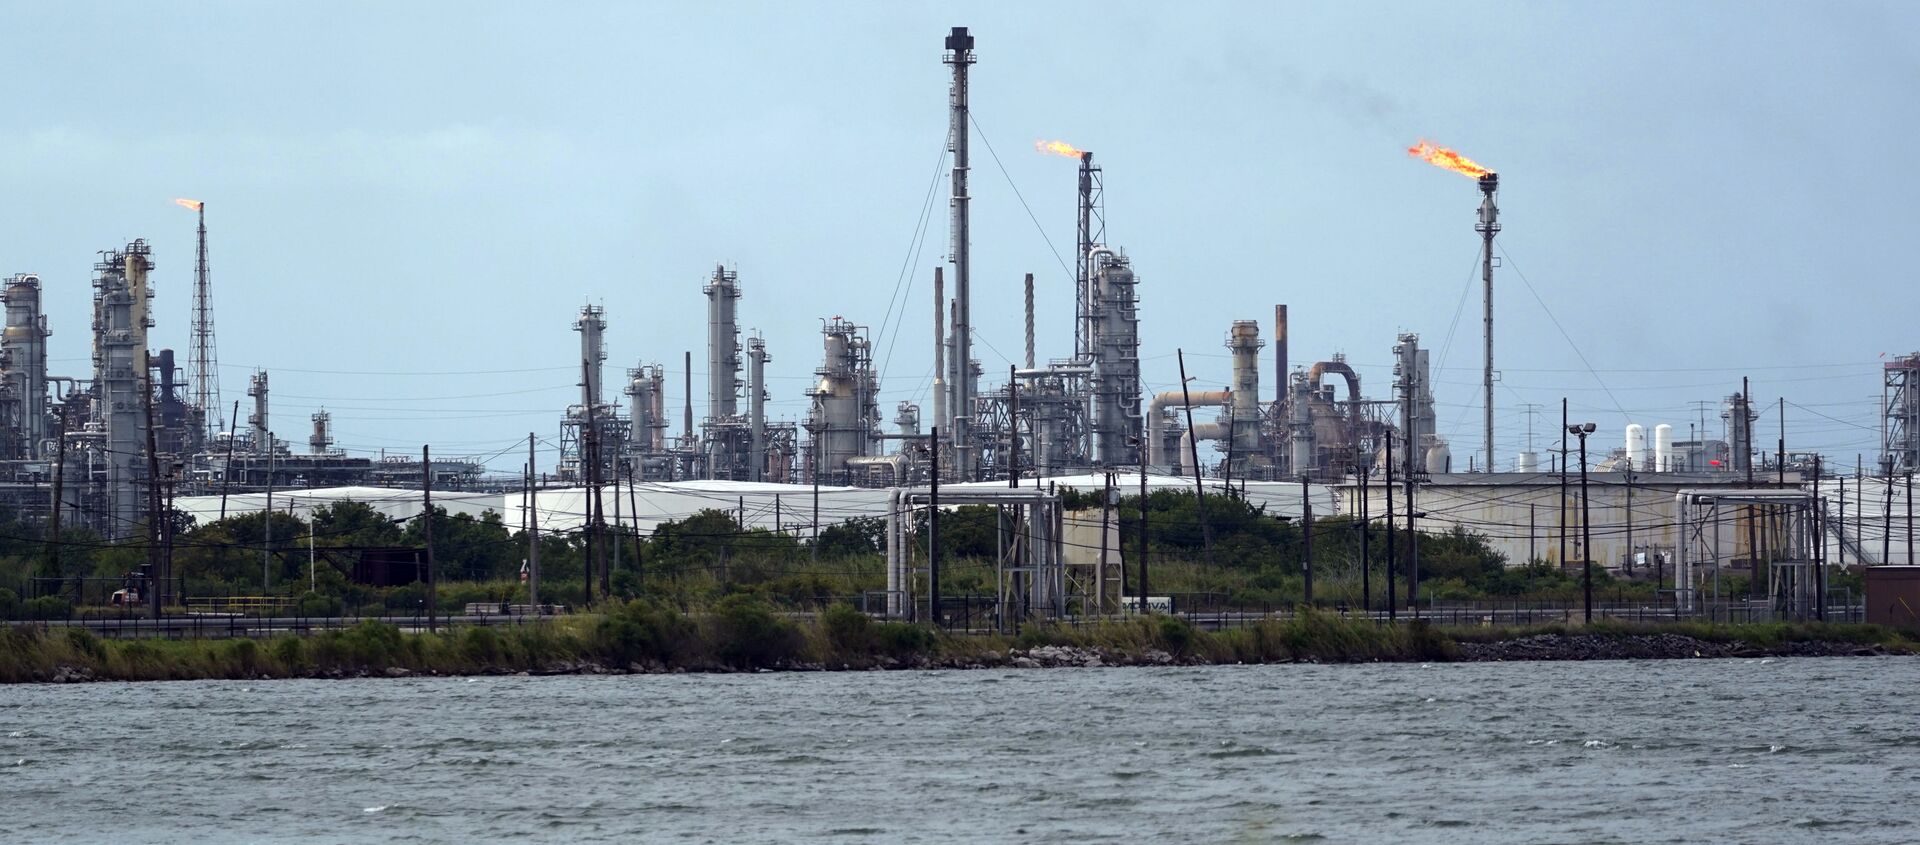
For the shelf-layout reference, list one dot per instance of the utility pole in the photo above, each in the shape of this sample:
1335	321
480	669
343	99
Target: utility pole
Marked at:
1366	556
1586	523
1820	548
1306	537
1780	456
617	523
1842	513
59	476
1013	404
533	532
1393	559
1533	536
589	466
933	536
154	575
1143	530
1886	517
1412	459
1563	483
633	506
426	500
1193	452
266	524
1630	552
1106	512
226	472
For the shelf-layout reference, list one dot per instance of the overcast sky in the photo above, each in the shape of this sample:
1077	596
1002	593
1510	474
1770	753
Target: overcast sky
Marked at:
408	203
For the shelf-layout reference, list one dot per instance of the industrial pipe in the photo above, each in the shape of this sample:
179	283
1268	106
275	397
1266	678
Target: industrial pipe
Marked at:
1322	368
1156	453
895	463
1205	431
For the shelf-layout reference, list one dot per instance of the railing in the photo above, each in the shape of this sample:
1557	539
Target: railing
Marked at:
237	605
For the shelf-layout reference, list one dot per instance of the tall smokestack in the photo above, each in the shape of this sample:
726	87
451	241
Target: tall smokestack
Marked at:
1279	353
1091	231
1029	321
940	348
959	55
1488	226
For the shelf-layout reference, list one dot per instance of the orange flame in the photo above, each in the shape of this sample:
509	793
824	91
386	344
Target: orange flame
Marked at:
1442	157
196	205
1059	148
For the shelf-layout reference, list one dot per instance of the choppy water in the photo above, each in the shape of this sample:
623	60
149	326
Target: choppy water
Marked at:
1752	751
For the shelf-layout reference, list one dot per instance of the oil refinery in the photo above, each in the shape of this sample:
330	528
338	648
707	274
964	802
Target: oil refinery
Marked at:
103	449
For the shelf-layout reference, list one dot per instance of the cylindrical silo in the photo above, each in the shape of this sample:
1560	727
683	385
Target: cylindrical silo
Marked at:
1636	446
1527	462
1663	448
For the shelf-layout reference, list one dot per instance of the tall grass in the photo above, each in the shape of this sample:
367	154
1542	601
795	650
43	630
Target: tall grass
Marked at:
743	632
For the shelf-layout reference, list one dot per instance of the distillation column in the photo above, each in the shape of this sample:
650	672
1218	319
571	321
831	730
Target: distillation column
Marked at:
592	327
257	421
1115	345
757	408
322	438
23	348
723	344
120	334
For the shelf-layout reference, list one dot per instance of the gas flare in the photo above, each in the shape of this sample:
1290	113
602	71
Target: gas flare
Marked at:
192	204
1439	156
1059	148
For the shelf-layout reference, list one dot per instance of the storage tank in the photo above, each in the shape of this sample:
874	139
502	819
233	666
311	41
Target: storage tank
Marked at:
1527	462
1663	448
1636	446
1439	457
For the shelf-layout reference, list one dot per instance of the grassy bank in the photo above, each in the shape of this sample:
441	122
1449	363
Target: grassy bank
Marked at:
743	633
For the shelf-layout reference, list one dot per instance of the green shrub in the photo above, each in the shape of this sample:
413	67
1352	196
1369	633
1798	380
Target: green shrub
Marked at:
290	651
314	604
372	645
244	654
846	629
85	643
48	607
1175	634
747	634
642	630
480	646
902	639
9	604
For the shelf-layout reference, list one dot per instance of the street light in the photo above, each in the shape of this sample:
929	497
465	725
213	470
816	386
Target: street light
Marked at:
1581	430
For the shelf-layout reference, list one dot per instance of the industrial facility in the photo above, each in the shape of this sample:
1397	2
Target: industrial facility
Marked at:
105	449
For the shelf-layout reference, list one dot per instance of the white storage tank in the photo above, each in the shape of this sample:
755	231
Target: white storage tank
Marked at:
1636	446
1439	457
1527	462
1663	448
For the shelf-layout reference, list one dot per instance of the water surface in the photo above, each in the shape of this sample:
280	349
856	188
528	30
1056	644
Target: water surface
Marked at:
1777	750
